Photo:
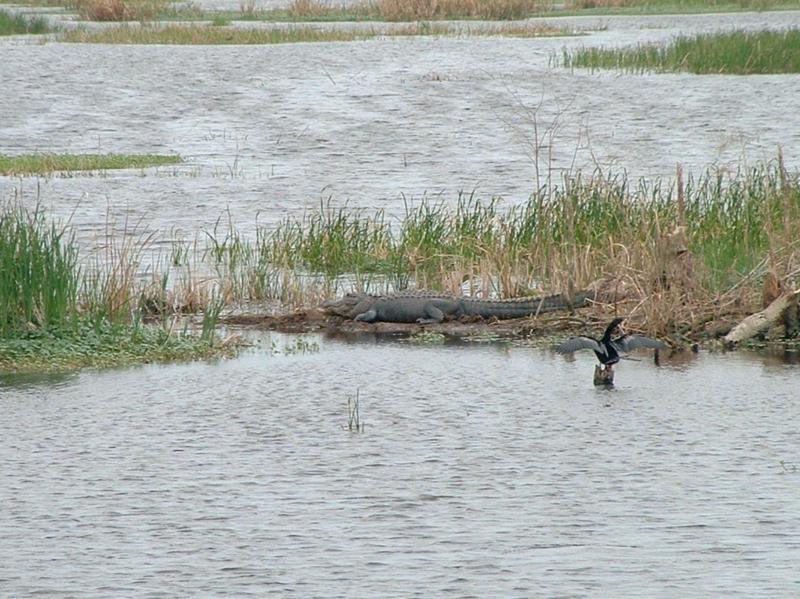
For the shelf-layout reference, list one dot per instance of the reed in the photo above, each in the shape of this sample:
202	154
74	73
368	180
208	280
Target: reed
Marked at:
13	24
39	274
44	163
736	52
582	229
54	315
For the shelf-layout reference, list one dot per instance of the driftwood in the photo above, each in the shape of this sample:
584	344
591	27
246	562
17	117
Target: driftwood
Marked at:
761	321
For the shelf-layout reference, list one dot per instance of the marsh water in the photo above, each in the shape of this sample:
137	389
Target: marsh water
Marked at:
269	131
482	470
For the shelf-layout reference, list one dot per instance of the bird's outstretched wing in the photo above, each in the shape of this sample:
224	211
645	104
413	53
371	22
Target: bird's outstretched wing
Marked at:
628	343
575	343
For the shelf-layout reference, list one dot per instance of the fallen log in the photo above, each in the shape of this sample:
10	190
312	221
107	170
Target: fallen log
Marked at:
761	321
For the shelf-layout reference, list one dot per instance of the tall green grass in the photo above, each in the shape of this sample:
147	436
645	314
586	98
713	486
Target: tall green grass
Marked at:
55	315
732	222
736	52
39	274
12	24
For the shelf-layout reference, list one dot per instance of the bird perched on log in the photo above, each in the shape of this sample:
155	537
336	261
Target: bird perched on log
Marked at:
608	349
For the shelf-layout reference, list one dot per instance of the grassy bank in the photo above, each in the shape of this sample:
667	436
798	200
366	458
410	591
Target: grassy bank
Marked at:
398	10
11	24
42	164
55	316
220	35
737	53
731	223
684	250
492	10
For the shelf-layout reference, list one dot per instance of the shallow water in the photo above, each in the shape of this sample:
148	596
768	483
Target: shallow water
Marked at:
272	130
482	471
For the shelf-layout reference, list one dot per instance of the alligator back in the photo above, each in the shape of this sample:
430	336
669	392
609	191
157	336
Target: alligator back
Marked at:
521	306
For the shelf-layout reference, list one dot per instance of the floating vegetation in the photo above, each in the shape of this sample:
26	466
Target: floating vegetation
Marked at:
426	338
298	345
42	164
732	53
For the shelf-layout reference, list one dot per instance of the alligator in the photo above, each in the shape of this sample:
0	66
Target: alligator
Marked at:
426	307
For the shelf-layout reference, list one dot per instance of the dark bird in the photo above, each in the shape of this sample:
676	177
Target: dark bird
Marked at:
608	350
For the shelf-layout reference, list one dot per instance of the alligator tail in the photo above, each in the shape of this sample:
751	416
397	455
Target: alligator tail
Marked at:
523	306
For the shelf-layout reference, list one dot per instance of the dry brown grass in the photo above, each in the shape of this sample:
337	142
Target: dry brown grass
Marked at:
305	9
412	10
118	10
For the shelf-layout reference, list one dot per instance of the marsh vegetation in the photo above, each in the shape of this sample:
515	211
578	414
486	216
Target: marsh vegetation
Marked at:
727	53
44	163
218	34
57	314
684	251
12	24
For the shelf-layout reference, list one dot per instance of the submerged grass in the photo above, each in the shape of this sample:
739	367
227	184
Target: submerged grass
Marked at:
736	52
40	164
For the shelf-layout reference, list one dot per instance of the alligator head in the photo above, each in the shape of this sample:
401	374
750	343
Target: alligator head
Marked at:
349	306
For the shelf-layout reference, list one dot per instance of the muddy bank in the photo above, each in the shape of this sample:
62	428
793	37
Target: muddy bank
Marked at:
543	328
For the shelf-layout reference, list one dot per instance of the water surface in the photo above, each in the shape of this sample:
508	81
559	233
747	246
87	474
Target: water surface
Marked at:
482	471
273	130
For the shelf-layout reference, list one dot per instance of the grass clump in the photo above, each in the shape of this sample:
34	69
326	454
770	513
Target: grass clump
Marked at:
41	164
219	35
11	24
736	52
119	10
494	10
676	6
54	317
39	275
215	35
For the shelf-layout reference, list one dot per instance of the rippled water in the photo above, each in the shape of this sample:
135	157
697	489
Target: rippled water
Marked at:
482	471
271	130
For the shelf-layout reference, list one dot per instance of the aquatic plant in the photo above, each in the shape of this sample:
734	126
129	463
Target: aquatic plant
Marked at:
354	422
735	52
14	24
44	163
56	315
108	345
218	35
627	7
39	274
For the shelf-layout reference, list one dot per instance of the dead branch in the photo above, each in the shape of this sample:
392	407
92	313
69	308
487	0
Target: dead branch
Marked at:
760	321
